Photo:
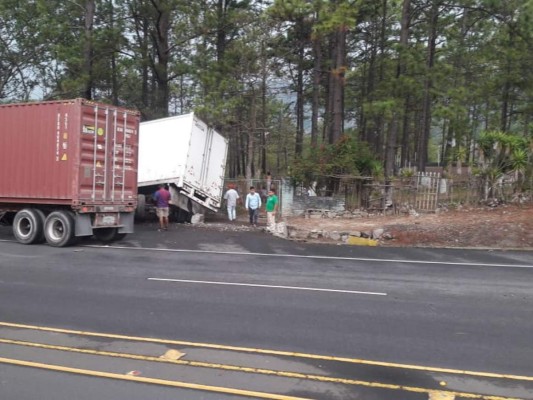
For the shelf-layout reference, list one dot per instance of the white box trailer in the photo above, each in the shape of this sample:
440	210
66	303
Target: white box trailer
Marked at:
188	156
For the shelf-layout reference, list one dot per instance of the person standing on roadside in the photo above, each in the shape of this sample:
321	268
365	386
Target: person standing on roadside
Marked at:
253	203
162	199
231	196
271	210
269	181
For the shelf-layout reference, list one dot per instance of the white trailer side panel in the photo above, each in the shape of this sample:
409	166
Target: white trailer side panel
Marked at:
206	161
216	168
197	156
163	149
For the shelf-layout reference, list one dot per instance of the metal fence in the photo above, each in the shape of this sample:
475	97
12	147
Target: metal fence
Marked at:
428	191
420	191
428	187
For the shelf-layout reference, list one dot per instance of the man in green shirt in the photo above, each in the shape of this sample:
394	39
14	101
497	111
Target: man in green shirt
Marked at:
271	210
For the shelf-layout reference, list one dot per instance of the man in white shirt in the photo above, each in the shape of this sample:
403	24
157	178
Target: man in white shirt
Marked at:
231	197
253	203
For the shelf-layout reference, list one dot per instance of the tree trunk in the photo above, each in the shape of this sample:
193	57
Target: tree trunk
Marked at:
337	80
221	30
90	9
160	37
404	36
300	100
317	52
382	139
264	133
505	105
143	38
370	124
448	148
114	68
328	95
392	138
251	138
423	141
405	152
390	159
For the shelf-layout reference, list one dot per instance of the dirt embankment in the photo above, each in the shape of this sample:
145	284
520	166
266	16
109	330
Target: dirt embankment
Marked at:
504	226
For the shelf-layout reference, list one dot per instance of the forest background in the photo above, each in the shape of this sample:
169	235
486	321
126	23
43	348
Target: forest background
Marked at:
312	89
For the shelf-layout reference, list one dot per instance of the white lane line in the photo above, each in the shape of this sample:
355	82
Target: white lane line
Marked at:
268	286
242	253
271	255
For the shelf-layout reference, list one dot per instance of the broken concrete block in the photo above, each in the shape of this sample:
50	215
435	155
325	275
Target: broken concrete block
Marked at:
197	219
334	235
377	233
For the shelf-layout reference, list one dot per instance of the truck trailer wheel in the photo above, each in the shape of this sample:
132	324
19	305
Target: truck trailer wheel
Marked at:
108	235
59	229
28	226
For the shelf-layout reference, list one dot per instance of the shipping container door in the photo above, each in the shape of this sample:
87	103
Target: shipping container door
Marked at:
108	155
214	170
197	155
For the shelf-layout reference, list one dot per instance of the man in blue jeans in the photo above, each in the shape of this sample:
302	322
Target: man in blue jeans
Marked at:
253	203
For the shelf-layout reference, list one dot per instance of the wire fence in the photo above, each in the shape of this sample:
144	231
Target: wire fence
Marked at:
427	192
421	192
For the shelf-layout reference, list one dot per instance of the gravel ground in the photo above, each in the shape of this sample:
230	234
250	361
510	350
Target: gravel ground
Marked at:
504	227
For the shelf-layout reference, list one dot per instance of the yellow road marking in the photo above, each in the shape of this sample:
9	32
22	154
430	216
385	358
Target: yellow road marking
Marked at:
270	352
440	396
445	395
139	379
172	355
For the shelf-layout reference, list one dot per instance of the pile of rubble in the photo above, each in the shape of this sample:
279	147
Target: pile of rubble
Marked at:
368	237
503	226
322	213
298	228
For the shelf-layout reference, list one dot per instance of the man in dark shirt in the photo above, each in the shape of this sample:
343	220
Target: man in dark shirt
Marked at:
162	198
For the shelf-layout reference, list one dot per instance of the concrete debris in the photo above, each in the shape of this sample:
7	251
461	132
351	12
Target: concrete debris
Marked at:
224	227
505	226
378	233
334	235
197	219
367	238
281	230
304	231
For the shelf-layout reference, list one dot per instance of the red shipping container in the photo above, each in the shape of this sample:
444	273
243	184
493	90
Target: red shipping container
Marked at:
74	153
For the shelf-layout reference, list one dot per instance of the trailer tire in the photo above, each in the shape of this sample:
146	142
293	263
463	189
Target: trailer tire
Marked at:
59	228
120	236
140	211
108	235
28	226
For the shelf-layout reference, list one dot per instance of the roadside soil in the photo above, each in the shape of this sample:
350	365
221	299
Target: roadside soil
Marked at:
503	226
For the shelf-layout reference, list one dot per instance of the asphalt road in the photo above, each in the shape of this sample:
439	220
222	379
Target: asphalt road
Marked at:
259	317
